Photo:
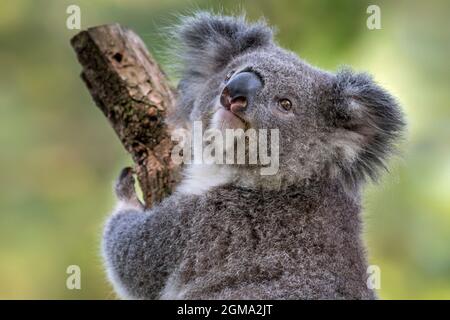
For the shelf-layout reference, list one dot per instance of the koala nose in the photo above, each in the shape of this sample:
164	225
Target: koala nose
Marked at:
239	90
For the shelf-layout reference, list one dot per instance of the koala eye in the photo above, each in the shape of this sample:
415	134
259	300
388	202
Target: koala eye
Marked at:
229	75
285	104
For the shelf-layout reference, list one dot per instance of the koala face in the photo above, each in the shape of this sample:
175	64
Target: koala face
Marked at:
330	125
274	89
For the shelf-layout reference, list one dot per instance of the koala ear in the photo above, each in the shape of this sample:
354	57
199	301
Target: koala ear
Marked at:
208	42
369	122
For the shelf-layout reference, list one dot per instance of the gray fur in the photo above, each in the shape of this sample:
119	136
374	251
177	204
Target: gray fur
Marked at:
295	235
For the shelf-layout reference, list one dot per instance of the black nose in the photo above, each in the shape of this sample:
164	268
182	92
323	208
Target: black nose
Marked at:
239	89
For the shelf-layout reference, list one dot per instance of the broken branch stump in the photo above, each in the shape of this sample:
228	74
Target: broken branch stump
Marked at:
133	93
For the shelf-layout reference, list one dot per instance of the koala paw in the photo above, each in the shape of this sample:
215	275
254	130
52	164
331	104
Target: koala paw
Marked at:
124	188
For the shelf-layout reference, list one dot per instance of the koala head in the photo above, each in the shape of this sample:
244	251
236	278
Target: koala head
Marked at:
331	125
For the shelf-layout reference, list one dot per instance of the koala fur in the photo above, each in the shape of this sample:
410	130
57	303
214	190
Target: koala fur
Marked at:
228	232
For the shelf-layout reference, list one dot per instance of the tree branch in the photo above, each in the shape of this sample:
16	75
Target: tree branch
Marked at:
133	93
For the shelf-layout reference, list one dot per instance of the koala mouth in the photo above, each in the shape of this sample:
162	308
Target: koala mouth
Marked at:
225	119
227	116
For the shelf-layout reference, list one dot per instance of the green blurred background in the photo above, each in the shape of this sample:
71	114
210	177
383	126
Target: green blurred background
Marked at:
59	156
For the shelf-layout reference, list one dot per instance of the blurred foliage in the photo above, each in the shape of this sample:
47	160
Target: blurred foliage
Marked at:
59	155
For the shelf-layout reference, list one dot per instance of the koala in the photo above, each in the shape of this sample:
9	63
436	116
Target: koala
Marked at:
228	232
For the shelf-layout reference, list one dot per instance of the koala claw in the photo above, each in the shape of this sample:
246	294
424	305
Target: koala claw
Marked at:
124	188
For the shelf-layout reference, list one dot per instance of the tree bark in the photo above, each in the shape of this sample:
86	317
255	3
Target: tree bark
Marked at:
133	93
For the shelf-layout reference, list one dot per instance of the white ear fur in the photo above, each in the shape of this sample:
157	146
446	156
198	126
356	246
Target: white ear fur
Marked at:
348	143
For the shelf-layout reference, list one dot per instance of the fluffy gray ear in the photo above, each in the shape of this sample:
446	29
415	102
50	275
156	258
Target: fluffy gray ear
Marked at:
204	44
208	42
369	121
